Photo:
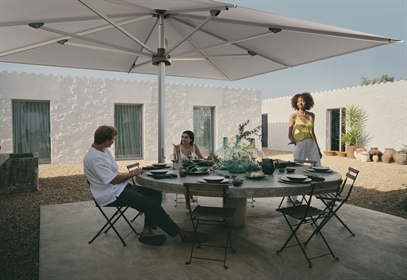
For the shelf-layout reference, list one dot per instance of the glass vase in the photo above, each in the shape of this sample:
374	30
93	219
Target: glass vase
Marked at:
238	160
222	153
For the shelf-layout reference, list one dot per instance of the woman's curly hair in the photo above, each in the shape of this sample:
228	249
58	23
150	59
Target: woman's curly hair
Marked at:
309	101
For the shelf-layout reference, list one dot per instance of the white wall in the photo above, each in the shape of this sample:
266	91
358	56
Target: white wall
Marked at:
385	104
78	105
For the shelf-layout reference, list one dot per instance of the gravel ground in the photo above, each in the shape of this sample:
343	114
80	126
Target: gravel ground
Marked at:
380	187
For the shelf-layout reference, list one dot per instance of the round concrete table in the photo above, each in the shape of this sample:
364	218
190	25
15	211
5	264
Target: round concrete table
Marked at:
266	187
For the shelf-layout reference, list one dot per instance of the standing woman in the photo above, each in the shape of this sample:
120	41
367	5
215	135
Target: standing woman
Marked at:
301	130
181	152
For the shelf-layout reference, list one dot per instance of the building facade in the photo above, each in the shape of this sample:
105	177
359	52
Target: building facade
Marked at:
76	106
385	106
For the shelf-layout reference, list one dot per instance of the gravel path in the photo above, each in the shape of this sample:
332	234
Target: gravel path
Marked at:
380	187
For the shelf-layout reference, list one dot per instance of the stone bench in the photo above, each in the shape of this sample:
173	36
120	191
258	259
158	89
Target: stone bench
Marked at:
18	172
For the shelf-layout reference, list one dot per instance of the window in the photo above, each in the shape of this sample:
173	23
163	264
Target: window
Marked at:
128	121
203	129
31	129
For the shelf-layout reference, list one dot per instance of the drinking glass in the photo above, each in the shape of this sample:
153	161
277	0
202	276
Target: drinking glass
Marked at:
173	158
189	155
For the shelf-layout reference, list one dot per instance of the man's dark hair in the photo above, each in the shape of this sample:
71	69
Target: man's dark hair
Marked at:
104	133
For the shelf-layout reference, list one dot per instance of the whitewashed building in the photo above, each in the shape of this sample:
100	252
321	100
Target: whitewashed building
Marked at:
76	106
385	105
73	107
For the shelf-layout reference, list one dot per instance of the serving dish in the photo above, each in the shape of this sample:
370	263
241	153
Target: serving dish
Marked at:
307	180
158	171
214	179
159	165
296	177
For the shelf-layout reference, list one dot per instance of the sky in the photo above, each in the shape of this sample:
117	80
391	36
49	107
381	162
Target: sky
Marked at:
384	18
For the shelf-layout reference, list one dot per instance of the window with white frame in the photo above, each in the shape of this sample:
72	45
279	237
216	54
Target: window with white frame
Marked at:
128	121
31	129
204	129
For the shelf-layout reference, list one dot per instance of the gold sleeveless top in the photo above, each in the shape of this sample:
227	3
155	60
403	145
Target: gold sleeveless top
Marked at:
303	130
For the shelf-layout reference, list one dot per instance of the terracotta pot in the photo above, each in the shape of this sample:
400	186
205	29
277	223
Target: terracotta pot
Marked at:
387	156
350	151
401	159
330	153
394	156
375	158
357	153
374	151
341	154
364	156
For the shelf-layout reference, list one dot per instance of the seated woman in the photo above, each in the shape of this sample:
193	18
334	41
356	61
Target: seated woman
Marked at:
185	148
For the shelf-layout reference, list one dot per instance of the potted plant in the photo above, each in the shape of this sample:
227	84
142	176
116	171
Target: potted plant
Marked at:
353	123
401	158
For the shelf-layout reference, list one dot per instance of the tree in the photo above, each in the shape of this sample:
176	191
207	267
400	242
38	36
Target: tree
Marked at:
382	79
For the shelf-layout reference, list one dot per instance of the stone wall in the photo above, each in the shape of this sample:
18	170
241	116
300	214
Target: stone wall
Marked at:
78	105
18	173
385	104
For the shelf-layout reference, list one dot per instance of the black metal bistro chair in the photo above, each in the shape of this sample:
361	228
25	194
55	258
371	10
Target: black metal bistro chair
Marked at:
210	215
111	221
306	213
289	200
329	199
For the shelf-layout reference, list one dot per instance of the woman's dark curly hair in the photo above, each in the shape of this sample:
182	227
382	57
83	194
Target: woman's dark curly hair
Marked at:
309	101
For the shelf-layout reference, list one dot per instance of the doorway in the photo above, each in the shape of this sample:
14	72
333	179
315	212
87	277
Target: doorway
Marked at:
264	130
335	131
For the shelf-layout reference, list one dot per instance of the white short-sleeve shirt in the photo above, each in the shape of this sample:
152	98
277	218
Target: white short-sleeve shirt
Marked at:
100	169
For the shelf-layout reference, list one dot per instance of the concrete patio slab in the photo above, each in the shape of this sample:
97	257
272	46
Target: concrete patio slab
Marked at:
378	251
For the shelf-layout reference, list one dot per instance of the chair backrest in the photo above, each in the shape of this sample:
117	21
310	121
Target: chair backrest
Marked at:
326	187
309	162
351	175
210	190
130	168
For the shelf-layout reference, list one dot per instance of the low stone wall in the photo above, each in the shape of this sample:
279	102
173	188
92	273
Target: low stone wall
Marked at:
18	172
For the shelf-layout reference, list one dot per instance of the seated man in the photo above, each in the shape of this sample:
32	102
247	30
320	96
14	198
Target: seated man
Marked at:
110	188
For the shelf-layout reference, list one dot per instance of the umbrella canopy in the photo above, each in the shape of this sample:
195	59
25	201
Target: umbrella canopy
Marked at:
196	38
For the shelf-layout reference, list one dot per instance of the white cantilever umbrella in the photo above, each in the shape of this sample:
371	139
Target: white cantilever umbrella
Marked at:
186	38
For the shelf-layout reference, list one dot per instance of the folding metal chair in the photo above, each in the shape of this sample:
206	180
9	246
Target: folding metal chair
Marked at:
305	162
308	214
111	221
210	215
130	168
329	199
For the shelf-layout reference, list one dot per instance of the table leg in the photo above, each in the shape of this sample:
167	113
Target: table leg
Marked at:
239	219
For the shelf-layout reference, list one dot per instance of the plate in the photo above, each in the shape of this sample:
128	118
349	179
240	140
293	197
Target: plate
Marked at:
320	168
158	171
159	165
255	177
151	174
214	179
296	177
224	181
322	171
300	182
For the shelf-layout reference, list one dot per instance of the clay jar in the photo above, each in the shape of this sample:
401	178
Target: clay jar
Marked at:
401	159
374	151
387	156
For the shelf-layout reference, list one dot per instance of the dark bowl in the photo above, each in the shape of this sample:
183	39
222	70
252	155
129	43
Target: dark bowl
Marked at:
281	165
290	170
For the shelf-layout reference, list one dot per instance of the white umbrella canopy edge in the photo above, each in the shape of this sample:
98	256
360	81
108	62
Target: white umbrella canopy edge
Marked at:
201	39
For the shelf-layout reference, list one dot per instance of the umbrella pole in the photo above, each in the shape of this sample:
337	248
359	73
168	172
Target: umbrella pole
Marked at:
161	112
161	88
